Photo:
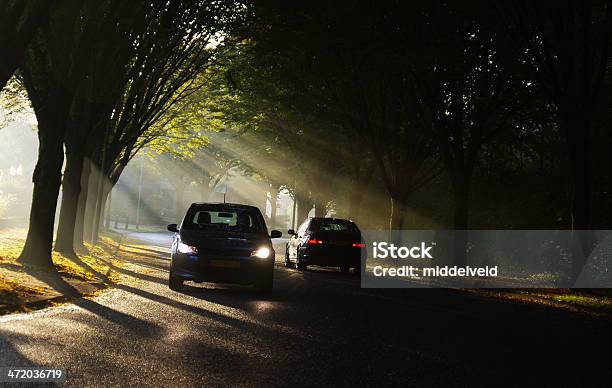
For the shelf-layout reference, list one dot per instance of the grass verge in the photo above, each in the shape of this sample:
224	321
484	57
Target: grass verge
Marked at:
595	302
22	290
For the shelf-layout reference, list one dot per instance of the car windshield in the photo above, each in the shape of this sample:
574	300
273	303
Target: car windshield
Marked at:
246	220
327	225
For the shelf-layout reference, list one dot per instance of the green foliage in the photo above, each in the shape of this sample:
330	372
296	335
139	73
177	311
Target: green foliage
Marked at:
317	92
171	49
14	103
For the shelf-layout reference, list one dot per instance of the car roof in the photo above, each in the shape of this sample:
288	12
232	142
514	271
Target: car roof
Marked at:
330	218
225	204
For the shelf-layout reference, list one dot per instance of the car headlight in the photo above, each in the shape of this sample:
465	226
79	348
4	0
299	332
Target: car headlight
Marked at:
262	253
184	248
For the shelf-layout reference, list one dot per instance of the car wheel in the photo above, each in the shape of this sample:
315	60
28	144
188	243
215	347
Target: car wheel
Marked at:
288	262
175	283
265	283
299	264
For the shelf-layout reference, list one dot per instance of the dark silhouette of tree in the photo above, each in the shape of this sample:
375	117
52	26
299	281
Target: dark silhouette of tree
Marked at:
467	89
99	82
19	21
353	59
48	74
176	47
106	52
568	49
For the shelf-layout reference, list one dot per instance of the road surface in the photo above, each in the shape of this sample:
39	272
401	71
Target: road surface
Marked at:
318	328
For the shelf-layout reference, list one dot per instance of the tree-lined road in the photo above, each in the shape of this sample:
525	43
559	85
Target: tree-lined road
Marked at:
317	328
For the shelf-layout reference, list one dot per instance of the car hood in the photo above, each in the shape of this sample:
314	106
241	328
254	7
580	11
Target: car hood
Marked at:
223	243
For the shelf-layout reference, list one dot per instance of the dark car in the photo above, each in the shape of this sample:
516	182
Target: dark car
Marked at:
222	242
331	242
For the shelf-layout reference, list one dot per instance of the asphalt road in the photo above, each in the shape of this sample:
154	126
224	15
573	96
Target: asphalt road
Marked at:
318	328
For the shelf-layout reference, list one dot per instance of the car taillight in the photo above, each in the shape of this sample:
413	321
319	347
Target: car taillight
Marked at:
359	245
314	242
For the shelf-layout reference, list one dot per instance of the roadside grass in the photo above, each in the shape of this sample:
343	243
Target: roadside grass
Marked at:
18	288
592	302
96	259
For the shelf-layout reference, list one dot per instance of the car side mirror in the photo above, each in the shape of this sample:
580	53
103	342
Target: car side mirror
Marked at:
173	228
291	232
275	234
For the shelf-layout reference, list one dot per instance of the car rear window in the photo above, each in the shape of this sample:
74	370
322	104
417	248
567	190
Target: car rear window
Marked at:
331	225
224	218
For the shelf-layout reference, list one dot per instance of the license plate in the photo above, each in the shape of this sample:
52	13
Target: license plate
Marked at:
225	263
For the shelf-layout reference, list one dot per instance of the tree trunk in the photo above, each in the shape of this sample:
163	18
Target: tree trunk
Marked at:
92	200
360	183
103	190
51	103
80	216
355	200
273	200
320	208
397	218
577	127
461	195
108	209
578	134
47	179
303	208
71	188
106	189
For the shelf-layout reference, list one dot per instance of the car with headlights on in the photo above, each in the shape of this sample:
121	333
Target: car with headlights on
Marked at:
222	243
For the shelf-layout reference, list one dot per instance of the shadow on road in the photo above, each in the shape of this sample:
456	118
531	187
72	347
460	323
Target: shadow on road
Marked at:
138	326
10	354
218	293
233	319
